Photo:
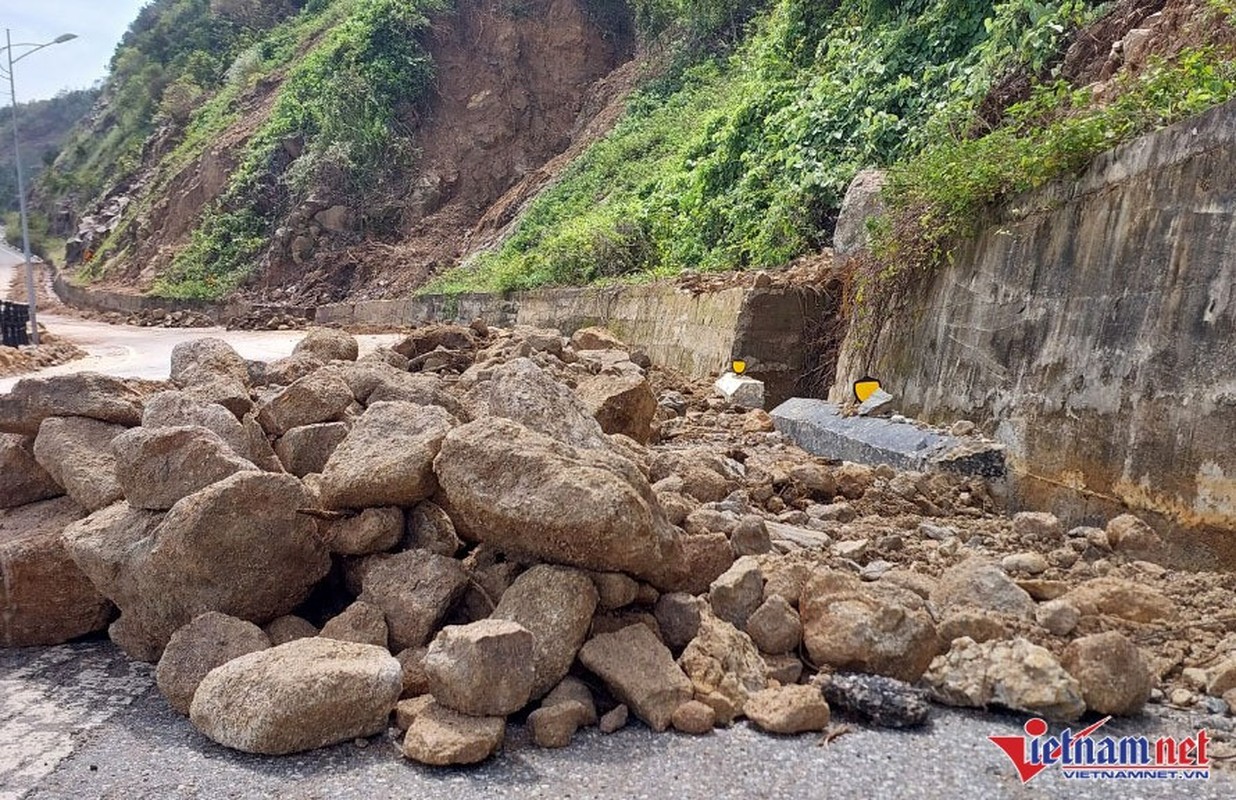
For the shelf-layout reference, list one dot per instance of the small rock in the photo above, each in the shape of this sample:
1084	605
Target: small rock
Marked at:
1057	617
414	589
1221	678
962	427
877	700
371	531
788	709
308	448
554	725
328	344
1121	598
736	594
977	583
724	667
415	681
289	628
210	640
430	528
867	627
614	720
556	604
441	737
833	512
938	533
740	390
758	421
1113	674
573	690
750	537
879	401
851	549
1182	698
853	480
640	671
614	590
694	717
783	669
596	338
1133	537
775	626
1194	677
359	622
1024	564
678	617
1037	526
1014	674
977	624
482	669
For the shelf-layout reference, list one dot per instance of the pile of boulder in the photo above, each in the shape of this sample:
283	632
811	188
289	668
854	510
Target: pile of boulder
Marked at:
479	525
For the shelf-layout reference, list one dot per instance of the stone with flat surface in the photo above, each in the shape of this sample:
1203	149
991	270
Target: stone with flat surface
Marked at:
818	427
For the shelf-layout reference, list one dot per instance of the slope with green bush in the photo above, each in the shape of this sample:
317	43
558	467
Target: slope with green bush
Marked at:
740	159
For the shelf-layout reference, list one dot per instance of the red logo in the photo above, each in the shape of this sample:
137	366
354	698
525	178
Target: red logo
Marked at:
1081	755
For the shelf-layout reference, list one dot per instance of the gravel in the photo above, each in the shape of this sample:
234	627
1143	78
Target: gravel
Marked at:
81	721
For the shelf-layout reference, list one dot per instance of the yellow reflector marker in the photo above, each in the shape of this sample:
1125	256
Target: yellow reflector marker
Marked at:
865	387
738	366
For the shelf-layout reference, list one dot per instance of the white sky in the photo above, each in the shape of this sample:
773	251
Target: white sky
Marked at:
99	24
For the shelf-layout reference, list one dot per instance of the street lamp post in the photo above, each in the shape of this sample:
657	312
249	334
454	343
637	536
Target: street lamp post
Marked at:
21	181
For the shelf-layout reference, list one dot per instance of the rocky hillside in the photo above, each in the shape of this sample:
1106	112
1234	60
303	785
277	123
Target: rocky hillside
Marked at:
312	151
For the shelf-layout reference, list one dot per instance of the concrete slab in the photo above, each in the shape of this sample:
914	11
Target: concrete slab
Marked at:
741	390
818	427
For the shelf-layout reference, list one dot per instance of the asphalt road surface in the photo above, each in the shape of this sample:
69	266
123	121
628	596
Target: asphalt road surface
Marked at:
81	721
134	352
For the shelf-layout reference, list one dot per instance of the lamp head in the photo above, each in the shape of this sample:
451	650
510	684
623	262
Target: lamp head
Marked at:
64	37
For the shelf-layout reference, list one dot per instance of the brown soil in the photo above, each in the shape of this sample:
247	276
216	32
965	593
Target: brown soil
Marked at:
519	94
50	352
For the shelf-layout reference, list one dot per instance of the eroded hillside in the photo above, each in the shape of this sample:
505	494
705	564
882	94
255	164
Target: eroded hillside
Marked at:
311	151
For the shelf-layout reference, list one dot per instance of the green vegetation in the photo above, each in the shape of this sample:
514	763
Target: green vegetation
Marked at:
943	195
741	160
43	243
734	153
44	124
175	55
342	101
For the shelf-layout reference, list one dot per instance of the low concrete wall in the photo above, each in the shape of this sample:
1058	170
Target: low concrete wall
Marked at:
106	300
697	334
1092	327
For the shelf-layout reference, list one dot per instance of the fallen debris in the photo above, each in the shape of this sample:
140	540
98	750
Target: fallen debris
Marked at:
533	534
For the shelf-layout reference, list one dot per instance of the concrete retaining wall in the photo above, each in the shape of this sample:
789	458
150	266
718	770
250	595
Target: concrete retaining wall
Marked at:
697	334
1092	327
106	300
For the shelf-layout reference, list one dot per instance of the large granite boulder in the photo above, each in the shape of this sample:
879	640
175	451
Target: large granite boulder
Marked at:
525	493
77	453
24	480
556	604
302	695
44	597
156	467
240	547
387	457
82	394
